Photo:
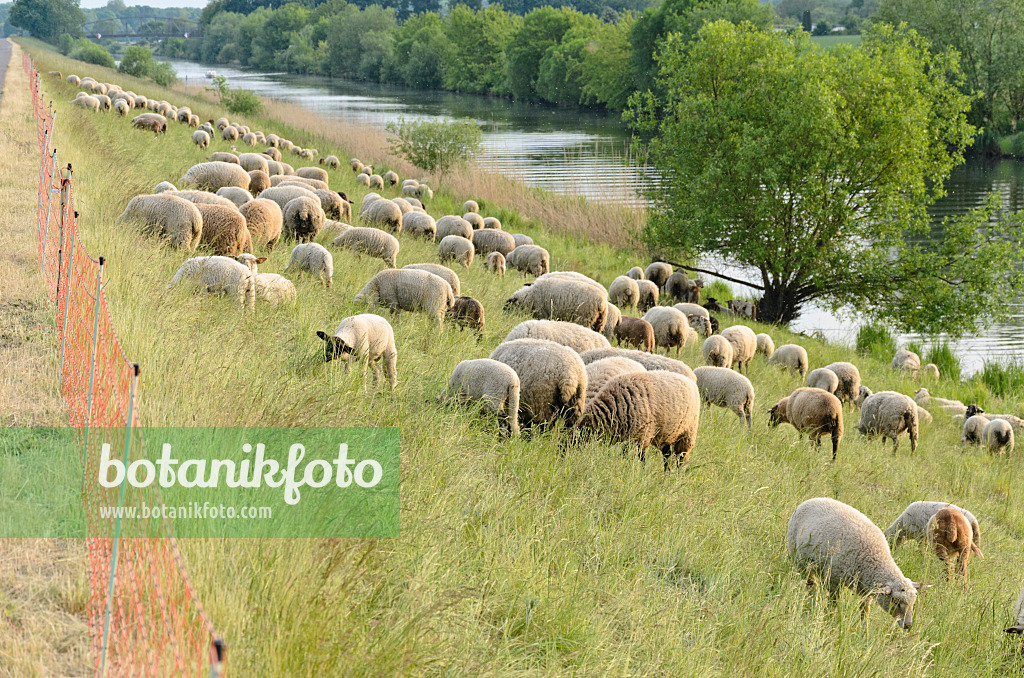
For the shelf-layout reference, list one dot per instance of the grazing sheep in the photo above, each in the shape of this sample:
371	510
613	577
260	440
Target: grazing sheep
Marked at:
164	186
1016	422
648	295
259	181
471	206
949	534
522	239
670	327
889	414
552	378
391	177
200	138
700	325
601	371
624	291
229	134
913	523
923	416
382	214
474	220
693	309
421	224
193	121
313	173
376	181
1019	627
741	307
647	408
249	139
332	229
790	357
489	240
931	370
635	332
332	204
274	289
172	217
371	241
811	411
722	387
930	402
467	312
224	230
717	351
312	258
530	259
403	205
221	275
253	161
744	345
204	198
636	273
677	286
283	195
862	394
849	381
209	176
492	222
424	192
147	124
121	107
456	248
823	378
658	273
495	263
447	274
998	436
239	196
105	102
74	80
453	225
974	430
265	222
367	338
574	336
224	157
562	298
652	362
273	154
839	546
407	189
906	361
765	345
494	384
611	321
304	218
409	290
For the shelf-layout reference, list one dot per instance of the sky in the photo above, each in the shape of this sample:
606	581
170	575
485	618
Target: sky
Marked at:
93	4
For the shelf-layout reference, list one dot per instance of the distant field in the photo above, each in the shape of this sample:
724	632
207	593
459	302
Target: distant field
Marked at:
830	41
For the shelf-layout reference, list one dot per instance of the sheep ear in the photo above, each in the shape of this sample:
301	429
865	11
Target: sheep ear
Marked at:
887	590
261	260
921	586
323	335
1018	629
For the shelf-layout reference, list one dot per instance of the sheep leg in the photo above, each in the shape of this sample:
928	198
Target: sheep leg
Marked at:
962	562
895	444
835	442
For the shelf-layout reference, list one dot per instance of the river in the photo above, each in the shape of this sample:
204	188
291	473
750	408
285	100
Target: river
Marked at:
586	153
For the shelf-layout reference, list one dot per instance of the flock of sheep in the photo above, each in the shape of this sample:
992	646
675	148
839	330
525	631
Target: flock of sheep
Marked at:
560	365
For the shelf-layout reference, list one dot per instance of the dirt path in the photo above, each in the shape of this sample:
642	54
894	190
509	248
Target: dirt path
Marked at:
43	582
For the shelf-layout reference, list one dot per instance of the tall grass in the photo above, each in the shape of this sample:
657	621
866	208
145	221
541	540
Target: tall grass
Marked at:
522	559
876	340
941	353
1004	379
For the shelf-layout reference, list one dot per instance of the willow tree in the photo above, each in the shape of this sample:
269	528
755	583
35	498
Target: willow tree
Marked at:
815	168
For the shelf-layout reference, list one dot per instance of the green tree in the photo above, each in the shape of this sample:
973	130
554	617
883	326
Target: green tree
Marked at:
814	167
48	19
805	21
436	146
91	53
137	61
542	28
359	41
478	42
420	52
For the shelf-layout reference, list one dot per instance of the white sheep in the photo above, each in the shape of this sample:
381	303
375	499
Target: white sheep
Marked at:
490	240
811	411
930	402
744	345
765	345
456	248
492	383
636	273
652	362
998	436
238	196
522	239
658	273
371	241
367	338
722	387
409	290
601	371
382	214
931	370
552	379
469	205
670	327
318	173
717	351
303	217
790	357
562	298
624	291
221	275
453	224
420	223
906	360
849	381
576	337
973	432
913	522
443	272
531	259
612	321
825	379
209	176
648	295
693	309
312	258
253	161
274	289
889	414
495	263
201	138
172	217
839	546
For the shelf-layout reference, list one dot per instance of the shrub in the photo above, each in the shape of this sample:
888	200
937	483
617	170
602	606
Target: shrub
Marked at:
136	61
876	340
236	101
717	290
436	146
65	44
92	53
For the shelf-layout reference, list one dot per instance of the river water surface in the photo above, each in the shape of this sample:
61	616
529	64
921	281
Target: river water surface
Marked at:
587	153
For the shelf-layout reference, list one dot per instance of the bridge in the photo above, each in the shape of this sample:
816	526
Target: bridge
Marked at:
143	27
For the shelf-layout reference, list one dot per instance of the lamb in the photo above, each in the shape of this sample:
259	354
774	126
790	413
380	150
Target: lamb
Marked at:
652	362
635	332
624	291
823	378
1019	627
367	338
274	289
636	273
670	327
552	379
574	336
930	402
224	157
974	430
849	381
148	124
172	217
222	275
474	220
601	371
812	411
489	240
253	161
224	230
790	357
317	173
304	218
312	258
831	541
265	222
495	263
658	273
765	345
371	241
889	414
409	290
238	196
949	533
383	214
456	248
453	225
164	186
529	259
557	298
913	523
209	176
494	384
717	351
468	312
906	361
722	387
420	223
700	325
447	274
648	295
259	181
522	239
200	138
471	206
1016	422
647	408
744	345
611	321
998	436
931	370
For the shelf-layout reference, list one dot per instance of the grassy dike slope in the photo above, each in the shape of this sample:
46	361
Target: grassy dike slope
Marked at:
517	559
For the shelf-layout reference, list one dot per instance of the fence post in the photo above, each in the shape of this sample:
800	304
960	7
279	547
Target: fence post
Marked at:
49	195
42	166
67	292
92	362
63	235
117	520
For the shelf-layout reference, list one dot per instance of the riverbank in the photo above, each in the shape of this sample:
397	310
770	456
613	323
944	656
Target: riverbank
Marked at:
522	558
